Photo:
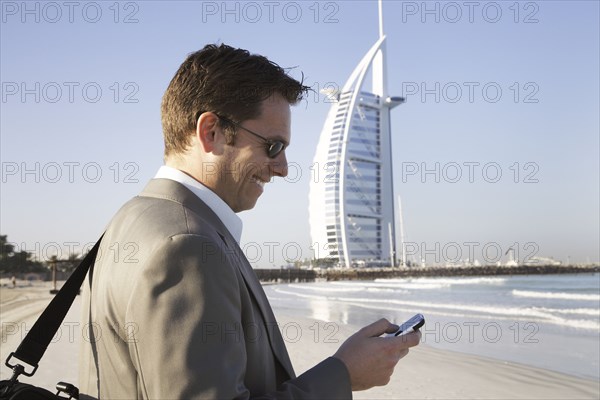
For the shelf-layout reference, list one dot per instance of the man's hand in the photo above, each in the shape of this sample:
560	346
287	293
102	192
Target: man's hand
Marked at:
371	359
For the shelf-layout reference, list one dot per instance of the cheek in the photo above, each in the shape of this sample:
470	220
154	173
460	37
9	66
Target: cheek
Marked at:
232	167
249	166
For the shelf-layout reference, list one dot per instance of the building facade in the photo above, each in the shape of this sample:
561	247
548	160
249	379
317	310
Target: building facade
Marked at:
351	200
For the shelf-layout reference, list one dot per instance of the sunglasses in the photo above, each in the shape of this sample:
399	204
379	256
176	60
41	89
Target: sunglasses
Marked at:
274	147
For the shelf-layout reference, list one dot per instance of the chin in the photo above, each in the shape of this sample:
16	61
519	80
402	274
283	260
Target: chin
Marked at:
246	206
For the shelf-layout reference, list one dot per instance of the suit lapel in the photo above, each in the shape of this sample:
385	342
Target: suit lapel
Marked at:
170	190
262	302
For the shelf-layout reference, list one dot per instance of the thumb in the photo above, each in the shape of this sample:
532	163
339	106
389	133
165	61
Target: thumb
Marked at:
377	328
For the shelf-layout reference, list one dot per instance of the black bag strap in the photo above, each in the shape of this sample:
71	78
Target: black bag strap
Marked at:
35	343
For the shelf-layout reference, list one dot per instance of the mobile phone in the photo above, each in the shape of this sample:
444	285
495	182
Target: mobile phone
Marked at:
413	324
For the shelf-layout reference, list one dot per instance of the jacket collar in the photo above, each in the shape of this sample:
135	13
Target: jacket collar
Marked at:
168	189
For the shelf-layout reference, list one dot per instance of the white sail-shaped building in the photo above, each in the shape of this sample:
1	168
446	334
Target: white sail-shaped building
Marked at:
351	200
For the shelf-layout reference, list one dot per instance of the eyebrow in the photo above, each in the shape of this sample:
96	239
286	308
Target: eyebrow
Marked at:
277	137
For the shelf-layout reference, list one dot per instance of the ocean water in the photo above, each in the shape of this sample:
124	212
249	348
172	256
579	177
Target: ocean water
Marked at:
547	321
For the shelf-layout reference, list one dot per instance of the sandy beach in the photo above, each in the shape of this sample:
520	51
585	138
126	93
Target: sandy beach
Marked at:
426	373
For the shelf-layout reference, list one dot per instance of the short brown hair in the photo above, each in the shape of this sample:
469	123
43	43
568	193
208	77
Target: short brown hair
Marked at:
228	81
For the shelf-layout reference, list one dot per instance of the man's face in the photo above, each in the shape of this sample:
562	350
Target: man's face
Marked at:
245	167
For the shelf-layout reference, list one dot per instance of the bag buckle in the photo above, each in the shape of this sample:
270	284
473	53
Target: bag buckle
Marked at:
18	369
68	389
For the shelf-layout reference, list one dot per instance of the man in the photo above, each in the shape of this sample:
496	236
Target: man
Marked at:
183	316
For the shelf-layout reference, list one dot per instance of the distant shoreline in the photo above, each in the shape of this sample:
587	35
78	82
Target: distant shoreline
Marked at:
311	275
272	276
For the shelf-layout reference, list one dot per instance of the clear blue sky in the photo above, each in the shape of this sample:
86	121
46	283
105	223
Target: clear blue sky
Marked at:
509	86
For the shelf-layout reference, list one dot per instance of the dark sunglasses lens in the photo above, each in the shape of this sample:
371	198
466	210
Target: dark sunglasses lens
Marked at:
275	148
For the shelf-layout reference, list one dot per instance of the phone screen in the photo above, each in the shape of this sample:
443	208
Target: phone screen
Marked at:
413	324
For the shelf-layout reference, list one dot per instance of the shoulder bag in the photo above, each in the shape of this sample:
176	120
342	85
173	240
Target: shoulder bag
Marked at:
35	343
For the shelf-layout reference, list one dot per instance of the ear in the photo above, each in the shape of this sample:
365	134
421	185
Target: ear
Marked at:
206	133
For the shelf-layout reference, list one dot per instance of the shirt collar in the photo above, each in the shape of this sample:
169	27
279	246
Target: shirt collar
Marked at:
232	222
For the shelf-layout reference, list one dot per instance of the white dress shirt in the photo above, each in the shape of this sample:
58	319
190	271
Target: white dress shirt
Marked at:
230	219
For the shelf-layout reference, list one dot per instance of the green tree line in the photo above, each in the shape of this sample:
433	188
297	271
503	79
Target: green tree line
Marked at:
18	262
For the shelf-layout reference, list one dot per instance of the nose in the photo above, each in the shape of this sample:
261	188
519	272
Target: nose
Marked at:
279	165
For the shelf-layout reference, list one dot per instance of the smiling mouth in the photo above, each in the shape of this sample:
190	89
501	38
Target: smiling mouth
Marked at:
258	181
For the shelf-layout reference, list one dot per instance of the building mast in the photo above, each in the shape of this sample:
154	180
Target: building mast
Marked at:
380	19
402	246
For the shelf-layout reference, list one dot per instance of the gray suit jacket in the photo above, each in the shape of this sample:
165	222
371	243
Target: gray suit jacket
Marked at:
176	312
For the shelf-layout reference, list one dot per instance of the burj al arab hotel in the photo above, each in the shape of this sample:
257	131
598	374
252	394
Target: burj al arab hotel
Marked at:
351	204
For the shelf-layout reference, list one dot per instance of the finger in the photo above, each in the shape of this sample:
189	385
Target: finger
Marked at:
393	328
409	340
402	354
377	328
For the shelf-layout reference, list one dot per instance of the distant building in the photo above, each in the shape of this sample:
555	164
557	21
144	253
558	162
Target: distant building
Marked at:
542	261
351	201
